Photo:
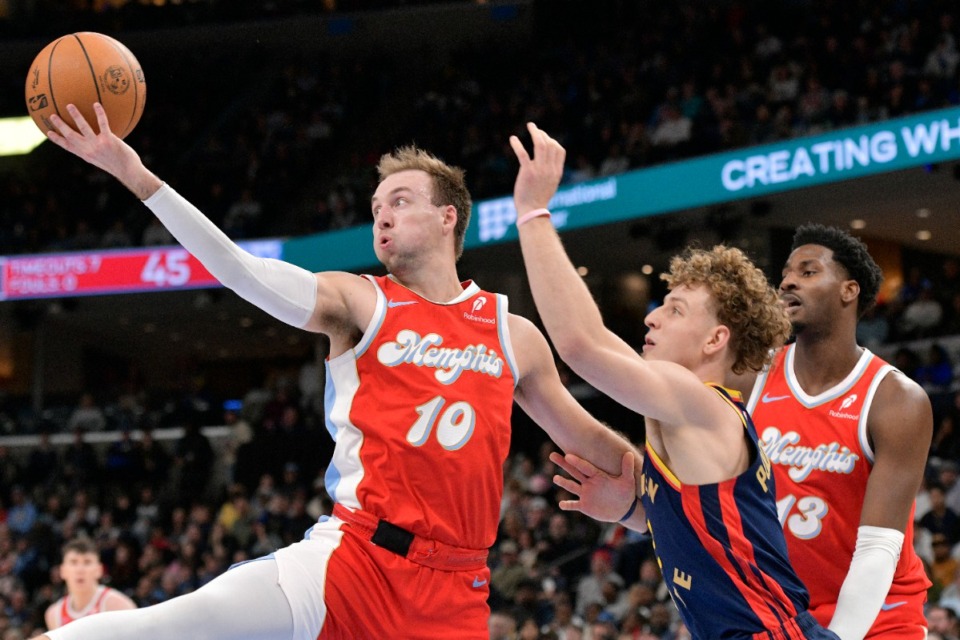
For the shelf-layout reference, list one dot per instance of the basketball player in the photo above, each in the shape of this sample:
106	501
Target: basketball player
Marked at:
422	375
848	436
707	495
81	571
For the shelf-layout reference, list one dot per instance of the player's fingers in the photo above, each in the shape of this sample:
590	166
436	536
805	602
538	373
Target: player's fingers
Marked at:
569	468
627	464
60	127
568	484
57	139
538	142
569	505
102	121
518	149
583	466
82	125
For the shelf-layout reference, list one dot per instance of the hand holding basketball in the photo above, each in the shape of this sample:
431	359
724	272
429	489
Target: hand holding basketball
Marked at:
81	69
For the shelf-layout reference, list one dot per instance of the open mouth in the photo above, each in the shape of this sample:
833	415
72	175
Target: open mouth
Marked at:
790	302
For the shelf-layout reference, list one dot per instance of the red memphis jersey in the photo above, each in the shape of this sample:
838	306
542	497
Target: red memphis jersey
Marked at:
821	459
420	413
65	612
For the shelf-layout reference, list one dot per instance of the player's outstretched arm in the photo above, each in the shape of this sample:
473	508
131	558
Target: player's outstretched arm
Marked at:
661	390
542	396
900	427
287	292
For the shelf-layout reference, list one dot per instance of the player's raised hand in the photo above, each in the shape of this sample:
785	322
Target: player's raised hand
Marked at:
601	496
540	175
103	150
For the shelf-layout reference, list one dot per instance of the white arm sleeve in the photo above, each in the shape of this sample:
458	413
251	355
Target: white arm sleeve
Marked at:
283	290
868	581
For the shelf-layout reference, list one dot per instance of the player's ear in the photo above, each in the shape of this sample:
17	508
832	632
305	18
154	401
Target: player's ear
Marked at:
717	339
849	291
450	217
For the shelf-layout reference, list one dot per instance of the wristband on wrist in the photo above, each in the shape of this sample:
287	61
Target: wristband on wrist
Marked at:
633	507
530	215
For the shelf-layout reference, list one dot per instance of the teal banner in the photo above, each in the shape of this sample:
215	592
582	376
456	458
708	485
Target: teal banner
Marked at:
844	154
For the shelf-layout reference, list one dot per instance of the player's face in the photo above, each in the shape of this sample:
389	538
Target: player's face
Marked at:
406	223
680	327
810	289
81	570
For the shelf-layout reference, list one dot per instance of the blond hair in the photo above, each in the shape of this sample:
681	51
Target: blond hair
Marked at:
743	300
449	185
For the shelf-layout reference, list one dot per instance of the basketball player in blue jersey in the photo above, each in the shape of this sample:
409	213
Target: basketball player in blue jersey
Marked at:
707	494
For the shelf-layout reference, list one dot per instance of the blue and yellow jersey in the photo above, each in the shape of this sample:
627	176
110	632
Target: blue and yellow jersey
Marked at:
721	548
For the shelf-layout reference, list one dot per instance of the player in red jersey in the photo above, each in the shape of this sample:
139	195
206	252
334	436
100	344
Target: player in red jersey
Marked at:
848	437
422	375
81	571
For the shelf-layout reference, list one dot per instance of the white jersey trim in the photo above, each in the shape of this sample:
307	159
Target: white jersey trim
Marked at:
862	434
376	321
503	328
833	392
470	290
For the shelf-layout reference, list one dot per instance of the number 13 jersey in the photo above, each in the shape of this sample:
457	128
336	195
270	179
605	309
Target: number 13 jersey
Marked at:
822	457
420	413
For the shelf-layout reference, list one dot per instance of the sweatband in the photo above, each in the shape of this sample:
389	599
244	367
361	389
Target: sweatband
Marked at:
285	291
633	507
868	581
530	215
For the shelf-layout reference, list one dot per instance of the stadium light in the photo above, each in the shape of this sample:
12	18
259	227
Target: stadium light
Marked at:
19	136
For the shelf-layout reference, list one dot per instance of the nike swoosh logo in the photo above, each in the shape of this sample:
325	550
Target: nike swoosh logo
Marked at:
768	398
477	582
893	605
399	303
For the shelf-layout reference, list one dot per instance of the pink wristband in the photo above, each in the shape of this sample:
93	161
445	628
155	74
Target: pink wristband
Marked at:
530	215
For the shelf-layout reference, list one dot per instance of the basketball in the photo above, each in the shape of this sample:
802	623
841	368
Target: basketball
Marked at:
83	68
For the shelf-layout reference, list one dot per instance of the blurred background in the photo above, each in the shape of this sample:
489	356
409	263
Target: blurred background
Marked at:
182	428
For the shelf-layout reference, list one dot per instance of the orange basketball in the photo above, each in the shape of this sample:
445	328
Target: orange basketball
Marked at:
83	68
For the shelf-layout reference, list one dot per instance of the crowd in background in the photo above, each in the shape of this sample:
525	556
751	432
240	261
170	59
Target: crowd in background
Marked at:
290	152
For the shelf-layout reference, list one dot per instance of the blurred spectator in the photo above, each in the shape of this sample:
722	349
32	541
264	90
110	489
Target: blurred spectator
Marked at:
941	519
155	461
155	234
43	464
193	461
936	374
590	587
921	317
506	576
22	513
873	329
87	415
943	622
502	626
81	466
943	569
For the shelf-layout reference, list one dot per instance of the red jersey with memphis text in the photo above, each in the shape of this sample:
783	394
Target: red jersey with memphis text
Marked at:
822	457
420	413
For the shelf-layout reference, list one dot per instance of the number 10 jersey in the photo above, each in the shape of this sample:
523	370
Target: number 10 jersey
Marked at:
420	413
